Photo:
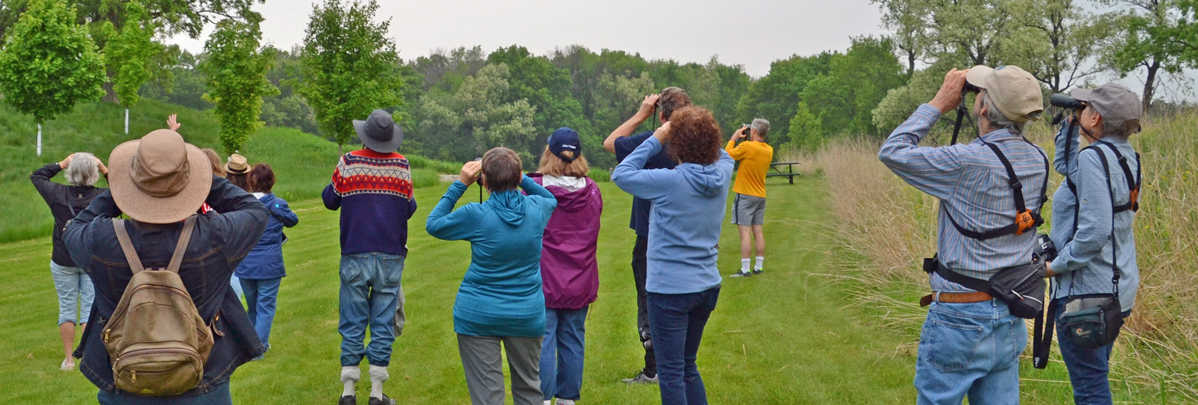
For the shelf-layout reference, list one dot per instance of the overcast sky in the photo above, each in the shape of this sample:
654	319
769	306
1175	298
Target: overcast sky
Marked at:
752	33
749	32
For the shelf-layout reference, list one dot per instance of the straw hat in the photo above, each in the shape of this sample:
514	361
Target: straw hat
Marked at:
237	164
159	179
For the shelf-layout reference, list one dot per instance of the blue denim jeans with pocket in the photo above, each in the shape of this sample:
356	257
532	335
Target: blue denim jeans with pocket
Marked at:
75	293
970	350
562	353
262	299
369	298
218	396
676	322
1088	369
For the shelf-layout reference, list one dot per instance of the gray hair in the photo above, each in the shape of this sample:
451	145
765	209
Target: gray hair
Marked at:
999	120
1119	132
761	126
83	170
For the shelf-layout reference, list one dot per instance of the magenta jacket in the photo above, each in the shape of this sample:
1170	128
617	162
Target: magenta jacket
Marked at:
569	270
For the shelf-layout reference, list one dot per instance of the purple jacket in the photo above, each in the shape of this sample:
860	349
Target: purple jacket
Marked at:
569	271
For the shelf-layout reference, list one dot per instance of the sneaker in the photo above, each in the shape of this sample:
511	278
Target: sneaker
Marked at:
641	378
348	400
757	271
565	401
67	364
384	401
742	274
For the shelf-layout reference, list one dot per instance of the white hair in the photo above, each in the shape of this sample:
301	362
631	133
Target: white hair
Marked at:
83	170
998	120
761	126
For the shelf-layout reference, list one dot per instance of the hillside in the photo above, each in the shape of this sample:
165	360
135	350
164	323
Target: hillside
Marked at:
301	161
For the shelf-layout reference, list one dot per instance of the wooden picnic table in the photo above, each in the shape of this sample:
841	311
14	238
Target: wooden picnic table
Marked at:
790	173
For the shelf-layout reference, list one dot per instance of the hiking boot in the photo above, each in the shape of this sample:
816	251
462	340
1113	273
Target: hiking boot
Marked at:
757	271
384	401
640	378
742	274
348	400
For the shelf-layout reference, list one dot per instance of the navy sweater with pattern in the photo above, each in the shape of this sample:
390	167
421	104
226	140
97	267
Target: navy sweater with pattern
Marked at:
374	193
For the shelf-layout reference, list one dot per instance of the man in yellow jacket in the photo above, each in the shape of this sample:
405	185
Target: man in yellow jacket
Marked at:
748	212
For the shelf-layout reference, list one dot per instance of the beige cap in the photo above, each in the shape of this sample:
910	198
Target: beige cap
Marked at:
1014	91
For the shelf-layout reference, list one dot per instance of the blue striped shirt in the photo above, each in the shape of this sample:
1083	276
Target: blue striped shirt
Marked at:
972	185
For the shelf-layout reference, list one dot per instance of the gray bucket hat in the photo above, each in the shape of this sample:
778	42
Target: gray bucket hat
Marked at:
1116	104
379	132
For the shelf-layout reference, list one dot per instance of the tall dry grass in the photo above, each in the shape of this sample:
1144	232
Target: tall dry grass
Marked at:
886	227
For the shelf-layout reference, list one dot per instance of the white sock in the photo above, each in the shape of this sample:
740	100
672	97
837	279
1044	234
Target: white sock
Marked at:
350	376
759	260
564	402
744	265
378	375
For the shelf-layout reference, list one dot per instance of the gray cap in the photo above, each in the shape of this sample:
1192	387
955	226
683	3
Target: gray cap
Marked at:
1117	105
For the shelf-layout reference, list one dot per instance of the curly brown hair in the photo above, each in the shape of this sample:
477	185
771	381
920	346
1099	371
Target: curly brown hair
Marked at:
694	136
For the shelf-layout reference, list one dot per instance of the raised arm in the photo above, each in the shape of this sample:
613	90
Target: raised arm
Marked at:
332	197
1060	161
447	224
540	194
648	106
241	219
631	176
283	212
41	177
78	233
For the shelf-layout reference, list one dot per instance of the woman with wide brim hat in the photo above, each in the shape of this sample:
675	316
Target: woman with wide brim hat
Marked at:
159	179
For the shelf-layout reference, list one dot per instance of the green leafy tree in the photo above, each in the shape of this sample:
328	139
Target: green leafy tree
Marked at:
476	117
130	55
349	66
776	96
1058	43
1150	42
806	130
968	32
236	69
844	98
49	63
176	16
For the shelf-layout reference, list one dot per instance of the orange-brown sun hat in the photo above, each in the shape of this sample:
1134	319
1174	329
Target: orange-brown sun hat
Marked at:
159	179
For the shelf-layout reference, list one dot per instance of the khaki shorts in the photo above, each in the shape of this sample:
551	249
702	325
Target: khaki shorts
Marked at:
748	210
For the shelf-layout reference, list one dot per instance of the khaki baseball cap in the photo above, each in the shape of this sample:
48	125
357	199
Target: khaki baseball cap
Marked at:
1117	105
1014	91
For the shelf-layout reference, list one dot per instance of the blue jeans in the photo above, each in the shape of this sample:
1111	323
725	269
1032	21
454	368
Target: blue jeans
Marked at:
676	322
1088	369
970	349
262	297
562	353
369	297
75	293
218	396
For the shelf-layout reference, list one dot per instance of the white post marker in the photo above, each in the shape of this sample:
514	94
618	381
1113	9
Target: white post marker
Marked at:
39	139
126	121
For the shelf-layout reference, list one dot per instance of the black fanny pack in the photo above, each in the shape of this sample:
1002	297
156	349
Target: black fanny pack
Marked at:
1020	287
1092	322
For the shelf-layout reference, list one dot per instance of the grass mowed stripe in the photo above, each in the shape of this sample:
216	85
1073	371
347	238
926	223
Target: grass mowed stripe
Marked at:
785	337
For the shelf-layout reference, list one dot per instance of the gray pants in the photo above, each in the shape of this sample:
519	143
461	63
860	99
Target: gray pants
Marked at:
484	368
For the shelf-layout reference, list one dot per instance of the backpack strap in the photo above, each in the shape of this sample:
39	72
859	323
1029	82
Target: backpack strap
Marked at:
1133	183
122	236
181	247
1025	219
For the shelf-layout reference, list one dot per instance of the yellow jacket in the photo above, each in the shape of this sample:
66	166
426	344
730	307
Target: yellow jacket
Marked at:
754	158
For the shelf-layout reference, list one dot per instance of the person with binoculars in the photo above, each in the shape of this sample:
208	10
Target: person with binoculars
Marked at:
1095	269
984	278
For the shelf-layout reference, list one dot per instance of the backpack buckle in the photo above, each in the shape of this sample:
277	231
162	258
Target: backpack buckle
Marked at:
1024	221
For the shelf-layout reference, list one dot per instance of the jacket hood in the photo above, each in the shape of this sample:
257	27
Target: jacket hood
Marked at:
509	205
567	200
707	180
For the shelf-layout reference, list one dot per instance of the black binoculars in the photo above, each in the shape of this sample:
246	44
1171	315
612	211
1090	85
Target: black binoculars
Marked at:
1063	101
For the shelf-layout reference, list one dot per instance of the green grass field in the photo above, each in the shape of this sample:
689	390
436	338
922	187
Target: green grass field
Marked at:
790	336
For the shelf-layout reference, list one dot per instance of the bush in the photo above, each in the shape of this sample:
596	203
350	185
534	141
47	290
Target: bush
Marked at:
439	166
599	175
425	178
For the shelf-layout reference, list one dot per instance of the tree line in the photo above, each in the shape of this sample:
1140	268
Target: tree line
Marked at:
454	104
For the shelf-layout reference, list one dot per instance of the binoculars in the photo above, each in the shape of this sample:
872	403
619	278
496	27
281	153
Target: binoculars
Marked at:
1063	101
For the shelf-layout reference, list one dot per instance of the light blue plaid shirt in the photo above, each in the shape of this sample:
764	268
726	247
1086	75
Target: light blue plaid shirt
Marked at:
972	184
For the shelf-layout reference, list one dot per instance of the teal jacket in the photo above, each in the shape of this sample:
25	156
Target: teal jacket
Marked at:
501	292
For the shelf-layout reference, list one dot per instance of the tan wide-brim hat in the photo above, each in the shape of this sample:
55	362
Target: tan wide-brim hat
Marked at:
159	179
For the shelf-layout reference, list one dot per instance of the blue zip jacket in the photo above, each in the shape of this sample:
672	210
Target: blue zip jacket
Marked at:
501	292
1084	263
266	260
684	224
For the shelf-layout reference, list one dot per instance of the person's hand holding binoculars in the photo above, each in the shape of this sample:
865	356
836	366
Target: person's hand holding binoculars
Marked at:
663	134
648	105
949	96
470	172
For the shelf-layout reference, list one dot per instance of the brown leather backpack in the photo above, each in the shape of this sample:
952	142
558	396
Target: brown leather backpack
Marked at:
157	340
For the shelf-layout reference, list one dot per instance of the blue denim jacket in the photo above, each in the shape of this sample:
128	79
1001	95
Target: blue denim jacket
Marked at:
217	244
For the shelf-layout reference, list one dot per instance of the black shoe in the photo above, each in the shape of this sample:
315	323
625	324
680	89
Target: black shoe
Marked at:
757	272
348	400
384	401
742	274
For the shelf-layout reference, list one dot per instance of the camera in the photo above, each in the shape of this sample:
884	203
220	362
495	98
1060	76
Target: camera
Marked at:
745	129
1063	101
1045	248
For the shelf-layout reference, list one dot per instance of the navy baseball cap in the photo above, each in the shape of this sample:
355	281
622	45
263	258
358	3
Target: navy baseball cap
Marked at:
565	139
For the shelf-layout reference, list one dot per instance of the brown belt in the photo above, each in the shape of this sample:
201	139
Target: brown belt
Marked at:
954	298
